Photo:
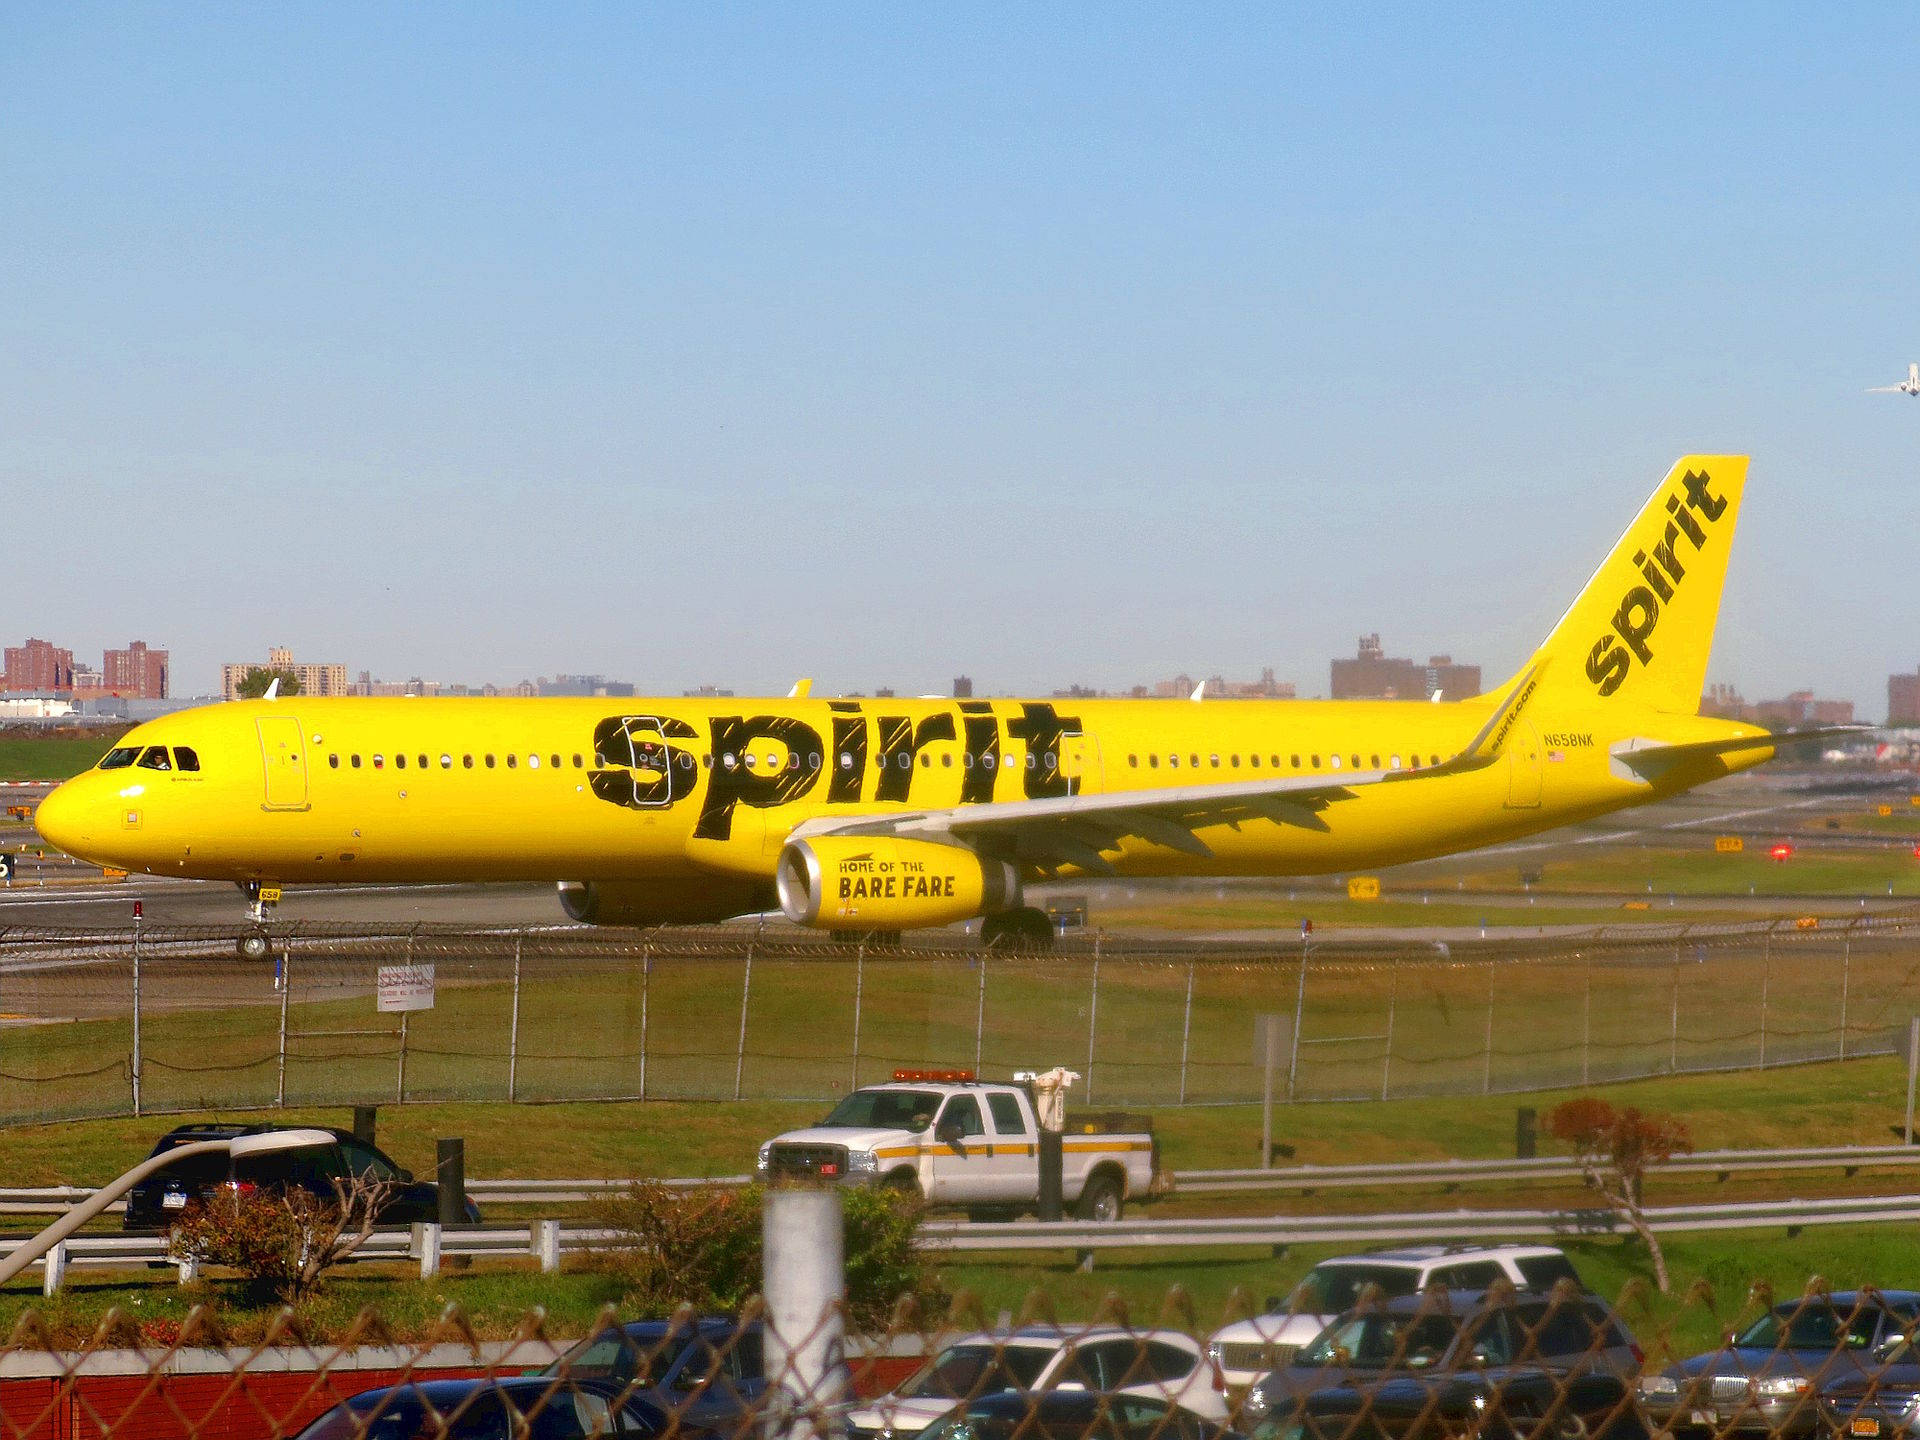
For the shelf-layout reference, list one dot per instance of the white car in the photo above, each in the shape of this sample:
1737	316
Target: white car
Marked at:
1162	1364
1246	1351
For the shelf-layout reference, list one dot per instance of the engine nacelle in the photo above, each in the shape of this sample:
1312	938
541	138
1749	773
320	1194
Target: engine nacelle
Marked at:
659	902
858	882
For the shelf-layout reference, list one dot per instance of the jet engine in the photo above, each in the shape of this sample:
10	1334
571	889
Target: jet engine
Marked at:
859	882
659	902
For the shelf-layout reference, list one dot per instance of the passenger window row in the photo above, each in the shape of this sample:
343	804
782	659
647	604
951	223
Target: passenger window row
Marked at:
1333	762
487	761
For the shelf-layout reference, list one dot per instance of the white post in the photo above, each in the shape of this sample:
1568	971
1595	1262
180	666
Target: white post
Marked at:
425	1247
546	1245
1913	1070
1186	1033
186	1269
136	1019
285	966
55	1275
513	1028
740	1054
859	986
802	1240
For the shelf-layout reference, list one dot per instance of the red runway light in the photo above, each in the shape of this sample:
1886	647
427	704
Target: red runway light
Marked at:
1781	852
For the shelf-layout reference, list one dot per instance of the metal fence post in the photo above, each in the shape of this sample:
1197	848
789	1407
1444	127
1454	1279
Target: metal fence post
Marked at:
1093	1016
1846	982
1386	1059
1299	1009
859	988
646	981
1186	1033
1913	1071
400	1074
980	1013
1586	1028
1766	981
1486	1052
740	1052
513	1027
1673	1031
136	1020
286	988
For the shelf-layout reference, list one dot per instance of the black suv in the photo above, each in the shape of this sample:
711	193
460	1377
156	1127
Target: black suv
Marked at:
152	1204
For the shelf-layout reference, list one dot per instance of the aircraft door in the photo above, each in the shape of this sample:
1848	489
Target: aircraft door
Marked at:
284	756
1524	767
1080	763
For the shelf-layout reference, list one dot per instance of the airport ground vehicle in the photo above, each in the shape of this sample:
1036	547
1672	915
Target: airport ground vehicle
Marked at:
1767	1378
153	1204
956	1141
1250	1348
519	1408
1165	1365
1072	1415
708	1373
1422	1359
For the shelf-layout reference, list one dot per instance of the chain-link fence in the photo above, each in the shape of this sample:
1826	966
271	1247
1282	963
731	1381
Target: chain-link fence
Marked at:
1505	1364
103	1022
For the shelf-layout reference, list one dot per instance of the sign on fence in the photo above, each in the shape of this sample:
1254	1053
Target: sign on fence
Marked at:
405	987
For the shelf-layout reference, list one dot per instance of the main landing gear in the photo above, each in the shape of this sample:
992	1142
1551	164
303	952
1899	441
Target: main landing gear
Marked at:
1024	929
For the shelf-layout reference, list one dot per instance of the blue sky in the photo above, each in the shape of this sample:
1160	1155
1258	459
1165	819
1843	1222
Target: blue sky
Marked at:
1043	344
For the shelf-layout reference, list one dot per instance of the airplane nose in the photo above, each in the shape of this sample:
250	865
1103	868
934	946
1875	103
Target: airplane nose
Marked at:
61	819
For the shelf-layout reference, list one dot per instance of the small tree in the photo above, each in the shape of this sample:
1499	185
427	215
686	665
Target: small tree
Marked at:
254	683
1614	1149
282	1241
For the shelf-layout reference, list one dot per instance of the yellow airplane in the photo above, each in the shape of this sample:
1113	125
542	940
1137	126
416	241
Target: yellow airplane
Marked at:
883	815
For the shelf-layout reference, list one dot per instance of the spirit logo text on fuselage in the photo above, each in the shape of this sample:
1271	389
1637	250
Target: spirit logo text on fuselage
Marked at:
1614	653
649	762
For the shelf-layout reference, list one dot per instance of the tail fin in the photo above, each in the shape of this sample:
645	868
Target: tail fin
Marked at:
1639	635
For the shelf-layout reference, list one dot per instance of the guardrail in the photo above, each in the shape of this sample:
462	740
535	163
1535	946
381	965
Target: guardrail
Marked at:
52	1199
546	1241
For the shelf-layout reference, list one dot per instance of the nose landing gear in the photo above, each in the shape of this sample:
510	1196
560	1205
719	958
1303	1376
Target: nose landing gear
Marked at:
257	944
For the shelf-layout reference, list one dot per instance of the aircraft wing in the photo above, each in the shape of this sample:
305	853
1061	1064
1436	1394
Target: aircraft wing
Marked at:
1074	829
1884	390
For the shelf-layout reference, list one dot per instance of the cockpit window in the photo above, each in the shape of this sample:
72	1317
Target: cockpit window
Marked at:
156	758
185	758
120	757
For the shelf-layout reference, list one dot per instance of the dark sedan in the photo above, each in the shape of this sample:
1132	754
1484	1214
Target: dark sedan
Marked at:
1767	1377
521	1408
155	1202
1879	1400
707	1373
1486	1362
1071	1415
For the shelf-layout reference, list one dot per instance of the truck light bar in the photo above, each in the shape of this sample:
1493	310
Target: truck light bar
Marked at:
939	1077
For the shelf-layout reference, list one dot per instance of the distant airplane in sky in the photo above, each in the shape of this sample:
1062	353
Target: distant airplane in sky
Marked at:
1909	386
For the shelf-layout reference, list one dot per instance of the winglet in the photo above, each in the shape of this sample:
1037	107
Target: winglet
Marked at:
1486	747
273	691
802	688
1199	692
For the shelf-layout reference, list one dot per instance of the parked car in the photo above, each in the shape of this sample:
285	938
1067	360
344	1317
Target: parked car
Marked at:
707	1374
1768	1376
1442	1356
153	1204
1249	1349
1880	1399
519	1408
1160	1364
1072	1415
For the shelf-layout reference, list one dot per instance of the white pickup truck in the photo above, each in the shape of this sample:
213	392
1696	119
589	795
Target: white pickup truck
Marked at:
955	1141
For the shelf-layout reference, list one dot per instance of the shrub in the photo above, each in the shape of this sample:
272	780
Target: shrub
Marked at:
702	1247
1614	1149
283	1243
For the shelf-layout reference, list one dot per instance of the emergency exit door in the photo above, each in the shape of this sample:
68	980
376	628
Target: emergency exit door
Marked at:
284	754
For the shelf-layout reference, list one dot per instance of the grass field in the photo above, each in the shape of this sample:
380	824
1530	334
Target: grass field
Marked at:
1855	1103
1714	1278
53	757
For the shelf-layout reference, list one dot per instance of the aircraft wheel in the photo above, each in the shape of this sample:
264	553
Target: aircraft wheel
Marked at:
254	945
